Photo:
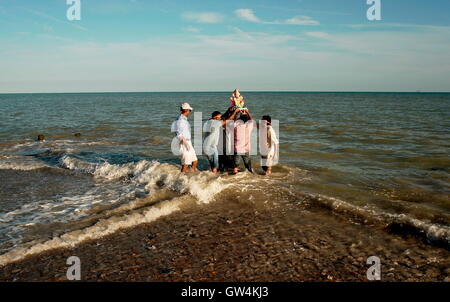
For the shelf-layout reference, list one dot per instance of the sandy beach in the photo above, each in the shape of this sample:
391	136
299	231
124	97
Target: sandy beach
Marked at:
238	240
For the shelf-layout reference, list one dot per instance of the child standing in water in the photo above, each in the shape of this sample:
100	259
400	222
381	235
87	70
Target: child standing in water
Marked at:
270	145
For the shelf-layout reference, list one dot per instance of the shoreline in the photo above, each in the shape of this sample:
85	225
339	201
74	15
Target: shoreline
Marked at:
236	240
247	91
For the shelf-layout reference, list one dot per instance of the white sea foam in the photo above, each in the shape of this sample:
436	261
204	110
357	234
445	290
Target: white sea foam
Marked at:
22	163
100	229
154	175
150	176
433	231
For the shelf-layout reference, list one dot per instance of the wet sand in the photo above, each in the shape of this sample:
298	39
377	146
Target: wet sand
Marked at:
237	240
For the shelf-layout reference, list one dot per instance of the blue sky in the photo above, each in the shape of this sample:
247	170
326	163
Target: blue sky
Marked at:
211	45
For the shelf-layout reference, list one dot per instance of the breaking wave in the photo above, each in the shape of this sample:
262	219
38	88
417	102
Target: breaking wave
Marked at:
401	224
153	174
21	163
147	177
100	229
141	180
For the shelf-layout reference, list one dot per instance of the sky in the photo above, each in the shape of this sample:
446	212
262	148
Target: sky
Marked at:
212	45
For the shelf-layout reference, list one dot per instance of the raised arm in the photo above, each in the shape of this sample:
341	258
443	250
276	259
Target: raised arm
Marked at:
231	117
250	117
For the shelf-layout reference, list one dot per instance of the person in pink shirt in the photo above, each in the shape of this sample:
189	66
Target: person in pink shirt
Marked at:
243	128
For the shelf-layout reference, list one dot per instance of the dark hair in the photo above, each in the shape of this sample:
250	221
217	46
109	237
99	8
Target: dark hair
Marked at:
215	113
184	110
267	118
243	117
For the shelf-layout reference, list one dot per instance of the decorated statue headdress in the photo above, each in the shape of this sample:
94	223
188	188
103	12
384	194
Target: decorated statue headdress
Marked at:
237	101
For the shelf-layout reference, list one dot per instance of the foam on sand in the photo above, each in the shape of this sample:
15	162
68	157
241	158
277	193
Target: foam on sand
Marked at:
153	176
100	229
432	232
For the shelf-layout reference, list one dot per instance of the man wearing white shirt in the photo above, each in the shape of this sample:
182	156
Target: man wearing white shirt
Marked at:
183	132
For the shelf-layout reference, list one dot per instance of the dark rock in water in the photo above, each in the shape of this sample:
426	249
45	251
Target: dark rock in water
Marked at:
438	169
165	270
41	137
151	236
407	230
77	134
140	194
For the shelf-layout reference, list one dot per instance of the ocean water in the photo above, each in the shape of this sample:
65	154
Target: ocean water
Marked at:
381	157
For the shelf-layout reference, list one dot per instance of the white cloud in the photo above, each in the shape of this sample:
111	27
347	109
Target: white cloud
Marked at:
423	43
371	60
247	15
302	20
203	17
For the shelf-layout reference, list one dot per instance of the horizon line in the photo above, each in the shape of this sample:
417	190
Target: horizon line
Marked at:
224	91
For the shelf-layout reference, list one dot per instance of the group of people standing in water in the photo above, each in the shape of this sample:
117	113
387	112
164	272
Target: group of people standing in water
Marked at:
227	140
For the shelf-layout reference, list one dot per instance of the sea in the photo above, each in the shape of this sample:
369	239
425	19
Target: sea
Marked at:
371	158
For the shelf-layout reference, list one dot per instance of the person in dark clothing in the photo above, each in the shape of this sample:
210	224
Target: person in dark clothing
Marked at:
226	157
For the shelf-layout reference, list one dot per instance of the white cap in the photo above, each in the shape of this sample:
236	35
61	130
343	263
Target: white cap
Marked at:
186	106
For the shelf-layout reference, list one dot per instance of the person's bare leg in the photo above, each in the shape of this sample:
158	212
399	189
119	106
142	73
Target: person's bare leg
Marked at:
214	170
194	165
269	170
235	164
184	168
